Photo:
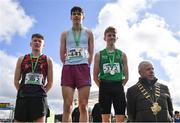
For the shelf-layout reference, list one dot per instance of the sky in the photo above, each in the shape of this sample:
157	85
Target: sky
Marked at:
146	29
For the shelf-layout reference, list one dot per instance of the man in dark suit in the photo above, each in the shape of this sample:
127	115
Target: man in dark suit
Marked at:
148	100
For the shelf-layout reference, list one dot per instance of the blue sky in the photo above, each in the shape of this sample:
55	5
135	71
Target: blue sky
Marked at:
51	18
147	30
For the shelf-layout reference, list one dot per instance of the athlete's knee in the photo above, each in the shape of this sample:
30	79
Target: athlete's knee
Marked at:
68	107
119	117
106	117
83	107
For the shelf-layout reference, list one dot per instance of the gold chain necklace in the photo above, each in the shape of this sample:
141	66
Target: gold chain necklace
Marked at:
155	108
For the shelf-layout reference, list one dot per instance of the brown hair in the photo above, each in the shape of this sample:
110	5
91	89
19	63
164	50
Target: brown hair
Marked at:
110	29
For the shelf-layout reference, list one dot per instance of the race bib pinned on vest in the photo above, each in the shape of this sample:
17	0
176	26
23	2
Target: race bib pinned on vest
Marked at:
76	54
34	78
107	68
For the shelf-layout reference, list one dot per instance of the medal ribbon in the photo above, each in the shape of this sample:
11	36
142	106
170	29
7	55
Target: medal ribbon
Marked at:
155	106
111	61
76	37
34	65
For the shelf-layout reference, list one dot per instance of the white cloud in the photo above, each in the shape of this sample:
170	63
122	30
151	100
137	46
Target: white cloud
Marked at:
13	20
178	34
7	68
55	92
148	34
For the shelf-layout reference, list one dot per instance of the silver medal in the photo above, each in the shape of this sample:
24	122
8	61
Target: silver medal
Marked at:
112	72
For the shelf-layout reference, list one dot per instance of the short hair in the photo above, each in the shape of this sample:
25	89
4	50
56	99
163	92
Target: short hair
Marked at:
110	29
143	64
37	35
76	8
176	112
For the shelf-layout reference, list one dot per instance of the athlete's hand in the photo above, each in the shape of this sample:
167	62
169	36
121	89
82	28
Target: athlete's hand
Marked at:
124	82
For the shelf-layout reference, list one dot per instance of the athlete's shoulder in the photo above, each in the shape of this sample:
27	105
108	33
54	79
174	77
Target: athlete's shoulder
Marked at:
87	30
44	56
103	50
49	58
22	58
63	34
118	50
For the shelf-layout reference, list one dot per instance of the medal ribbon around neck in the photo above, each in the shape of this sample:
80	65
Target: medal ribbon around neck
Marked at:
34	65
155	106
76	37
111	61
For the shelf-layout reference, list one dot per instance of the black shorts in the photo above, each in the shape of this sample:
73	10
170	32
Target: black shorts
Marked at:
30	109
112	93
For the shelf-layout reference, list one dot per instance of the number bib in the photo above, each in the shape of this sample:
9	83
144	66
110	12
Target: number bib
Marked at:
34	78
76	54
111	70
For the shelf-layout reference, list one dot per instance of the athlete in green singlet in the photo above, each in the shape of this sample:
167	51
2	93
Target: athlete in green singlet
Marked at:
110	75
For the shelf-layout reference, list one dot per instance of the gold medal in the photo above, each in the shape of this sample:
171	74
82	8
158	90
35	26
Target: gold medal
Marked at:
155	108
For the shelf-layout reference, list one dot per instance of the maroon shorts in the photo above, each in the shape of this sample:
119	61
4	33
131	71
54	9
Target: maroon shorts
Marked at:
76	76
